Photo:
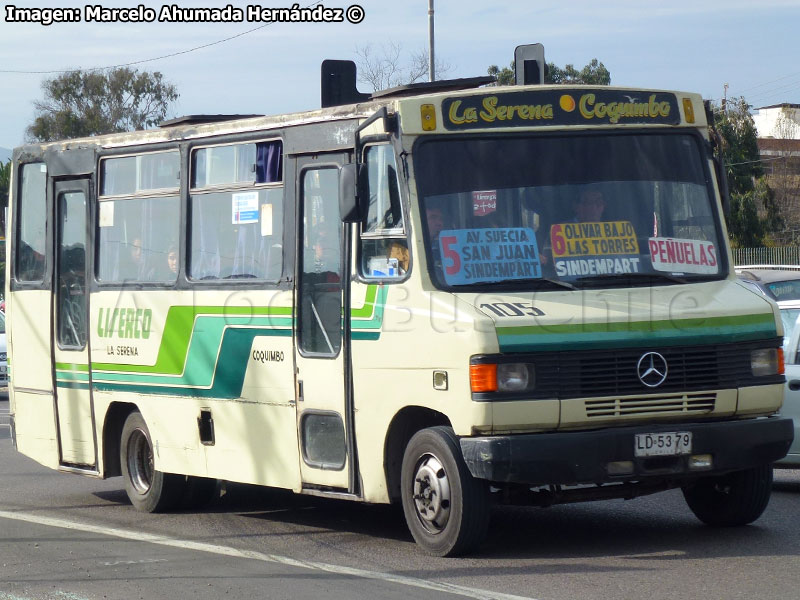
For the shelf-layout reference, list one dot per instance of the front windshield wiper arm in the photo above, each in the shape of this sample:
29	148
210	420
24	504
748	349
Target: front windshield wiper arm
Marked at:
555	282
640	276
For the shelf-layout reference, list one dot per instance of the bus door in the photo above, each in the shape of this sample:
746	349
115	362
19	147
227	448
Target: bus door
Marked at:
74	414
324	412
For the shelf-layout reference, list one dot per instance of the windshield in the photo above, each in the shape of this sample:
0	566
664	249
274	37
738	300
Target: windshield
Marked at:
632	209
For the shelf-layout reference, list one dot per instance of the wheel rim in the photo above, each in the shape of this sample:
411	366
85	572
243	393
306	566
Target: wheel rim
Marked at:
431	494
140	461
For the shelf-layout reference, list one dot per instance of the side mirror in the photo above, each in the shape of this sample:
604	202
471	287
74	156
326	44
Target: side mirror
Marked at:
349	205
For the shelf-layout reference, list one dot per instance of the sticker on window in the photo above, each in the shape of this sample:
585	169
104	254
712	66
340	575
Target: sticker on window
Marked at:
266	220
597	248
245	208
471	256
106	214
484	203
683	256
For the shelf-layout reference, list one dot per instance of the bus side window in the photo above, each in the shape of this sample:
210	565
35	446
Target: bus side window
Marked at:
236	212
384	246
31	219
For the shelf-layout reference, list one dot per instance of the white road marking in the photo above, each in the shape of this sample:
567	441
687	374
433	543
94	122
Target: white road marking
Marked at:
161	540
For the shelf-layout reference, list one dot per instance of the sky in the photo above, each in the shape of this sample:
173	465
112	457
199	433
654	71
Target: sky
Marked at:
689	45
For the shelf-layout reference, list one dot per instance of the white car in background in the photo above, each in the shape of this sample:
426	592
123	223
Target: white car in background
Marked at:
790	314
3	357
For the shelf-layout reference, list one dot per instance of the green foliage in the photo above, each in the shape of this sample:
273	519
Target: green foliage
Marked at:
595	73
740	145
505	76
754	214
84	103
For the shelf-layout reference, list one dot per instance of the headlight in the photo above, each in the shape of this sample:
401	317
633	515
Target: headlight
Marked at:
767	361
515	377
502	377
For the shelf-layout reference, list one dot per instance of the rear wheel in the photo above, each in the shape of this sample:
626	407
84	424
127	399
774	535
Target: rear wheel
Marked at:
730	500
148	489
446	509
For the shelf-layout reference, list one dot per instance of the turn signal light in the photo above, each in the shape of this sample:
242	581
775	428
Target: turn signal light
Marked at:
483	378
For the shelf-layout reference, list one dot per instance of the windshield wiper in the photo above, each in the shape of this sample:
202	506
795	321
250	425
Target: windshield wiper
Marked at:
639	276
555	282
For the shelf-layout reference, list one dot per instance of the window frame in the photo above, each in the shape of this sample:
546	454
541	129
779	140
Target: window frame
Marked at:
45	282
397	233
170	192
232	187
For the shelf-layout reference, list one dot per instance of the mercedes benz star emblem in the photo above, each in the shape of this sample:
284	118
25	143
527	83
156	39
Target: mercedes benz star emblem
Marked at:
652	369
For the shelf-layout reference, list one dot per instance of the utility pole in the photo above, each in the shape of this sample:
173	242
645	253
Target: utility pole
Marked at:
725	98
431	72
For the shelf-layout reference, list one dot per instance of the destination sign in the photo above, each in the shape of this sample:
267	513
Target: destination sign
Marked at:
533	108
486	255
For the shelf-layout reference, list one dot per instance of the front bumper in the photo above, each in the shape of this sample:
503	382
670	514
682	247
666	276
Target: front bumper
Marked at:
581	457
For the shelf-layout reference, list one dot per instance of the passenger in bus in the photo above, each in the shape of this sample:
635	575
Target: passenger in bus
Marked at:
590	206
399	250
172	260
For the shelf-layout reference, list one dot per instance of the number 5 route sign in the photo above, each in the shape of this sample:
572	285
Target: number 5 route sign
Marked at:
485	255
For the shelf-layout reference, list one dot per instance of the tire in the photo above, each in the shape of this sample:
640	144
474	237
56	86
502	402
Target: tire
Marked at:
149	490
446	509
730	500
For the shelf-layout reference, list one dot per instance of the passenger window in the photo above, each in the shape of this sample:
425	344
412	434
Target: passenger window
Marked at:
237	231
138	240
138	225
143	173
31	220
384	246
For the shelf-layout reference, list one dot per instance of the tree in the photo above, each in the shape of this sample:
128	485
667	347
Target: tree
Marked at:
385	68
754	214
84	103
595	73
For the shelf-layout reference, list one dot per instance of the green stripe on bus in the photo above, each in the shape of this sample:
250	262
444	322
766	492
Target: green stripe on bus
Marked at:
192	333
227	379
674	332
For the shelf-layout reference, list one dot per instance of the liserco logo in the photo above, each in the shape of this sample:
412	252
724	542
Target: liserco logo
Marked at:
652	369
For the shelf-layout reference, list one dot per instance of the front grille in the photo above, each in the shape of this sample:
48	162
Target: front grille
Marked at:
693	404
612	372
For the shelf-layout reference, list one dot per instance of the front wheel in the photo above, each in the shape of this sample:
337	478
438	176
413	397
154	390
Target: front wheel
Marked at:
730	500
446	509
149	490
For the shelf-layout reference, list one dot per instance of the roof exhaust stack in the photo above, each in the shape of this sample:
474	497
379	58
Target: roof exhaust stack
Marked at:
529	65
338	85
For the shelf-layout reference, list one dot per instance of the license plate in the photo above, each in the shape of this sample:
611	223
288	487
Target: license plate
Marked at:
671	443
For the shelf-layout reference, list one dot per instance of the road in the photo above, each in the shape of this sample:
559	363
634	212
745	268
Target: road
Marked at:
70	537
